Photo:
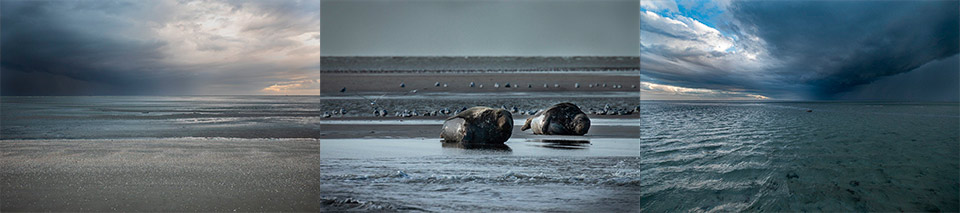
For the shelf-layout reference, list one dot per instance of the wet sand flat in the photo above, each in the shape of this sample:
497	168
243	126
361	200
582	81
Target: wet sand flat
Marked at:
430	128
182	174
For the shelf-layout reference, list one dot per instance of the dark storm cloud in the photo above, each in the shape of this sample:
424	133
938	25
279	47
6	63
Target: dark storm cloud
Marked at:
802	49
491	28
58	48
835	46
935	81
156	47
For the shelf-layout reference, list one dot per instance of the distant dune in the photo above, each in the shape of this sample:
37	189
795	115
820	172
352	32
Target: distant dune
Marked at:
476	64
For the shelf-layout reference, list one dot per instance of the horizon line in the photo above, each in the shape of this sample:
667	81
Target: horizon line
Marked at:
457	56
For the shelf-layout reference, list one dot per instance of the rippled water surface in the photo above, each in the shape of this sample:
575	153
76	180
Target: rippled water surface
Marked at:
99	117
525	175
737	156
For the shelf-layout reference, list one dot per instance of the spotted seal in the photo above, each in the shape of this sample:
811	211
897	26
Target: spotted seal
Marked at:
478	125
559	119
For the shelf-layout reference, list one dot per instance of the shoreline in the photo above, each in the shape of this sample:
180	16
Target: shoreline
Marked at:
417	128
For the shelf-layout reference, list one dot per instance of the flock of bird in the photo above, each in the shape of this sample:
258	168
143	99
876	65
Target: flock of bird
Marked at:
508	85
605	110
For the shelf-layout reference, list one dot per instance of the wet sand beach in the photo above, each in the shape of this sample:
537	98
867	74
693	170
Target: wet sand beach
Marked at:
187	174
159	154
429	127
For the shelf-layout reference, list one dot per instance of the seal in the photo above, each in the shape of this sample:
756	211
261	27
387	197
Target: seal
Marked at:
478	125
559	119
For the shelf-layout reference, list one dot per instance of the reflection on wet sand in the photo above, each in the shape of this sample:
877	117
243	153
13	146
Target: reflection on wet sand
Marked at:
491	147
561	143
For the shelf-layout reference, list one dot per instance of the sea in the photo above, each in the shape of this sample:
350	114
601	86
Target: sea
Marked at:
126	117
702	156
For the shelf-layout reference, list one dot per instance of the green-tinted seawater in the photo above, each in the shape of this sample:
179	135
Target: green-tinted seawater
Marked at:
764	156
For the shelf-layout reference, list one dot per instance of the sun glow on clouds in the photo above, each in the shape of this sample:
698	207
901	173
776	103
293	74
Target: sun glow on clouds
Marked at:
652	91
302	87
229	36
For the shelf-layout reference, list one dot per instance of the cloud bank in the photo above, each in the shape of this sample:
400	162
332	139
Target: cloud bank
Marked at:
156	47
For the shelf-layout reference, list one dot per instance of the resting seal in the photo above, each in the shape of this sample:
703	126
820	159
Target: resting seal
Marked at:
559	119
478	125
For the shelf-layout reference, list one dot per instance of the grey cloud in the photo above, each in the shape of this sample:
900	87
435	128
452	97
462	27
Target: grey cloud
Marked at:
935	81
835	46
60	44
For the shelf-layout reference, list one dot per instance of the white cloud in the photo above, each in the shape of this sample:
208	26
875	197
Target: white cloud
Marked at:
682	48
653	91
659	5
681	36
203	32
244	43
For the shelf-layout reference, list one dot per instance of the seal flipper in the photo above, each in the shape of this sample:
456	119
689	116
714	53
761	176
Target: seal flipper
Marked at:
453	130
526	125
543	126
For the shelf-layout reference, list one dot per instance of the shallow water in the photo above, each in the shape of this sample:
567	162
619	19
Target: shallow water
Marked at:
740	156
598	172
526	175
99	117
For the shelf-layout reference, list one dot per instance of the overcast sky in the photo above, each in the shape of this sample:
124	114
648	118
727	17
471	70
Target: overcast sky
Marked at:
480	28
800	50
159	47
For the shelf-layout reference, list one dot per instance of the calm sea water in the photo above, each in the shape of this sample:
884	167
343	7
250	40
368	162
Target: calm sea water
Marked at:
101	117
841	157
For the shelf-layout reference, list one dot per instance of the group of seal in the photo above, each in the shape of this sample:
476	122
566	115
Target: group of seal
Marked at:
485	125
